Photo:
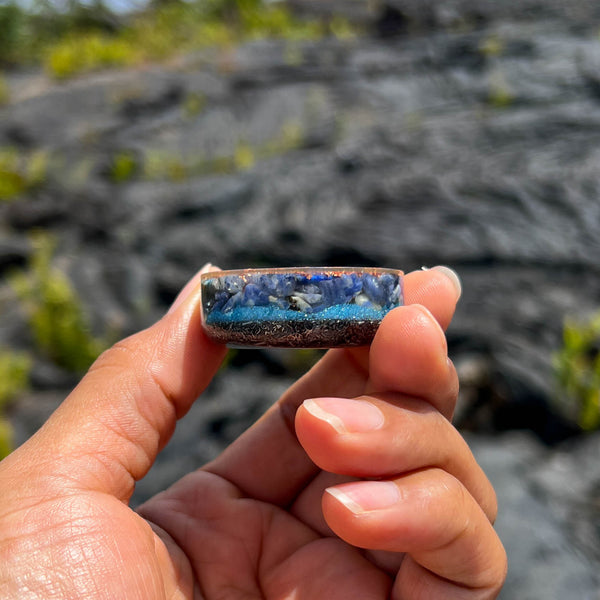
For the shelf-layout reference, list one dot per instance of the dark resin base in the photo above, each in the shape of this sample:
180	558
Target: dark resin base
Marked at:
294	334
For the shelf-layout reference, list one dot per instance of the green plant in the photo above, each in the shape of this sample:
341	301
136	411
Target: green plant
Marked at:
577	370
20	172
89	52
492	46
342	29
12	181
260	21
160	164
14	374
176	169
4	91
194	104
176	27
124	166
6	438
500	94
14	378
58	323
12	21
75	37
244	156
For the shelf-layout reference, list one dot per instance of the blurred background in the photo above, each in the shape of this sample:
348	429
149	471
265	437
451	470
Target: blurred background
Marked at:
139	141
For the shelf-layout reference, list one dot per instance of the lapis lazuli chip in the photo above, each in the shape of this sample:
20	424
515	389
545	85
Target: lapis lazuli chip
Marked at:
308	307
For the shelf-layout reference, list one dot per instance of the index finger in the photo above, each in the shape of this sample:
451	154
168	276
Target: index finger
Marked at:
267	462
344	372
438	289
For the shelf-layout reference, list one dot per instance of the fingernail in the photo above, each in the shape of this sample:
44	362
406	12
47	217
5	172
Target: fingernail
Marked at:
190	286
345	415
452	276
366	496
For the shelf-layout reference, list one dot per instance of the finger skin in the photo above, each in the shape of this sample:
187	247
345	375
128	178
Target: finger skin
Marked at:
267	462
432	289
410	355
413	436
432	518
107	433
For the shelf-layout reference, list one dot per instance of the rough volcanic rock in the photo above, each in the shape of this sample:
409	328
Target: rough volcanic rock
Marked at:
547	501
468	135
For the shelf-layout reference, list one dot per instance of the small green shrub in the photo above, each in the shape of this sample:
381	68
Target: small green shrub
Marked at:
4	91
124	166
500	97
14	378
244	156
342	29
176	169
577	369
291	137
36	168
277	21
12	180
21	172
177	27
89	52
6	438
88	36
500	94
12	20
14	374
159	165
56	317
194	104
492	46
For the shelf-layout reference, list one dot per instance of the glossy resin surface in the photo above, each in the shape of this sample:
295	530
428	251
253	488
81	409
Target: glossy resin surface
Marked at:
307	307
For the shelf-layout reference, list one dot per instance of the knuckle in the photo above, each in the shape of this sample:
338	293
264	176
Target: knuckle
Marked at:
121	355
450	499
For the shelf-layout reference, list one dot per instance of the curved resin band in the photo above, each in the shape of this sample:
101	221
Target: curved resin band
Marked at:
309	307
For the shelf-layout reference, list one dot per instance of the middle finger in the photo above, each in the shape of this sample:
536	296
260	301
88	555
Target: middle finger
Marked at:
386	435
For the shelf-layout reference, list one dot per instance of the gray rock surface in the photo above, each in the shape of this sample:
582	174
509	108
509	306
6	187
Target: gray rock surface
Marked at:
419	150
541	516
463	133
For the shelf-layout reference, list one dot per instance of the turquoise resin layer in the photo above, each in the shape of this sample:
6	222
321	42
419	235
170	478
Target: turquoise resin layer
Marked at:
316	307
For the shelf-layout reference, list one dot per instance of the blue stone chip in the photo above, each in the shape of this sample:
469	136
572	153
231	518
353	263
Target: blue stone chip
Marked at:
246	305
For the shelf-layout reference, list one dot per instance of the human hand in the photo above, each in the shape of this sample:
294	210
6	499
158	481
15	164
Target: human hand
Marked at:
257	522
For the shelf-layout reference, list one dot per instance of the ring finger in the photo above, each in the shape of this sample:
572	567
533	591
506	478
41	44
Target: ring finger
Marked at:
453	549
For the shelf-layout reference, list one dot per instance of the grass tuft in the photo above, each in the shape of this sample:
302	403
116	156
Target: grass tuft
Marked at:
123	168
577	370
14	378
20	172
56	316
81	53
178	27
4	91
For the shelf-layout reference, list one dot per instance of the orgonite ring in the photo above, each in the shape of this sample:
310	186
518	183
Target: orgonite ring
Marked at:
307	307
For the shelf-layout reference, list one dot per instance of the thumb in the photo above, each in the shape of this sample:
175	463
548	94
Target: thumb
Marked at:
107	433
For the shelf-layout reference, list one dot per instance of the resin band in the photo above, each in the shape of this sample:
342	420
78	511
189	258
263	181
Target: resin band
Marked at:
310	307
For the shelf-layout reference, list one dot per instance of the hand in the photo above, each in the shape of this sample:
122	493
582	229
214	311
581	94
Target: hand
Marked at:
366	491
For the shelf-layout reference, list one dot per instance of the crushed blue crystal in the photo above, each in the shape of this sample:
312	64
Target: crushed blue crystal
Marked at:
340	312
300	296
